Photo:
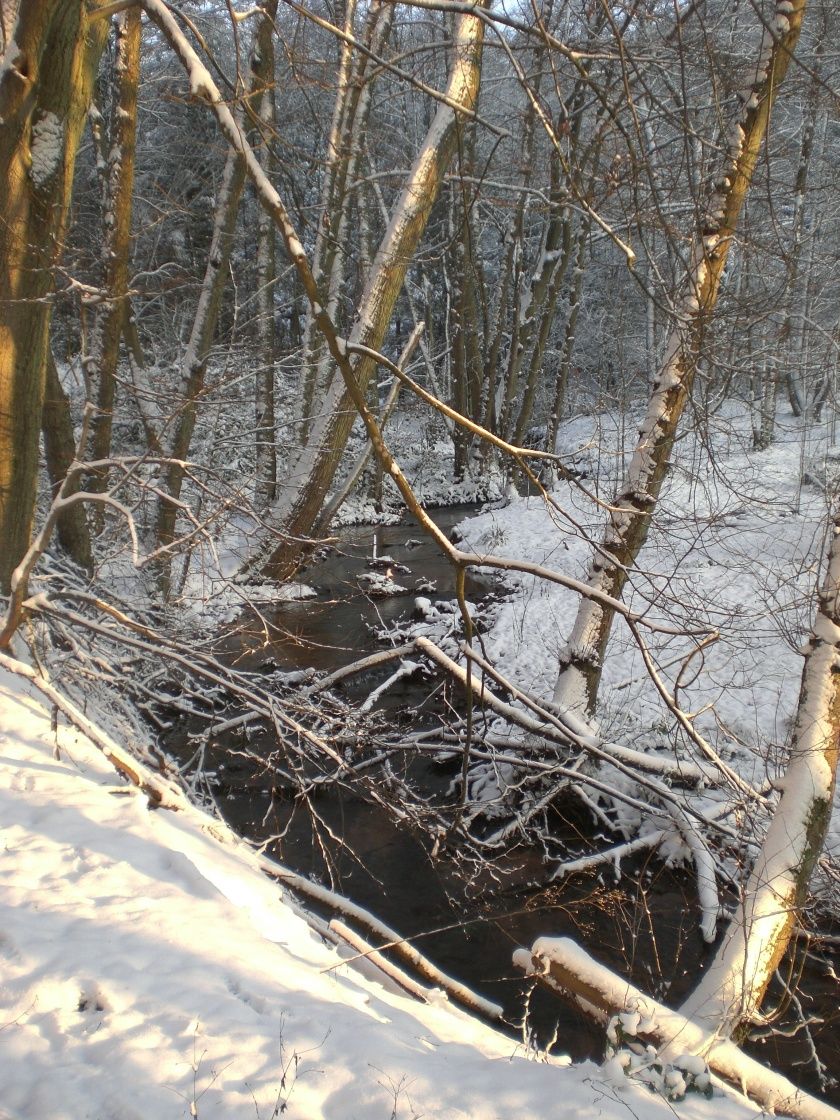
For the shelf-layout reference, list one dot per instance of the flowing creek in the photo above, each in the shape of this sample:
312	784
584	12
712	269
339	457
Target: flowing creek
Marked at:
645	925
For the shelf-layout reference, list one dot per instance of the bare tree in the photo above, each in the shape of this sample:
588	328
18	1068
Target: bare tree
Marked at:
632	508
310	474
118	148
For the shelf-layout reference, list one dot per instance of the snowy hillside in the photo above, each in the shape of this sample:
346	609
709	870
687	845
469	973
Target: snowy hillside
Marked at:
150	971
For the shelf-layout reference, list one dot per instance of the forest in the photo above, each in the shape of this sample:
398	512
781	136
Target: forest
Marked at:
419	456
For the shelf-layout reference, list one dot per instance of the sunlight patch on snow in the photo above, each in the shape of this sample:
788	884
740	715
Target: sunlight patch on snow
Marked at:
146	967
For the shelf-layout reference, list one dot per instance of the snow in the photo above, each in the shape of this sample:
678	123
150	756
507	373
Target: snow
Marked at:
211	599
150	970
381	585
46	146
735	546
565	962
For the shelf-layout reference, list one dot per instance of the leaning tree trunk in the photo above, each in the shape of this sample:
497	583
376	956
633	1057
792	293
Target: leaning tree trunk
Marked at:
582	659
311	473
731	990
193	367
46	79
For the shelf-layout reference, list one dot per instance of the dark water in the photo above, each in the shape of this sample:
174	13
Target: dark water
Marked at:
339	625
645	926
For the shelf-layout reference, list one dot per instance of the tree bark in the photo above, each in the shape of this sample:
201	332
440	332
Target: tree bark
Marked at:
732	988
265	482
581	661
564	966
312	471
108	324
194	361
338	205
45	88
60	451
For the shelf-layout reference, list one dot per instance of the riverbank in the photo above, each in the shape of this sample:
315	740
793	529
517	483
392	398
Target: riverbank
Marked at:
150	971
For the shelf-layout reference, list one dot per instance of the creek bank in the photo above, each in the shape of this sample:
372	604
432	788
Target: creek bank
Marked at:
644	926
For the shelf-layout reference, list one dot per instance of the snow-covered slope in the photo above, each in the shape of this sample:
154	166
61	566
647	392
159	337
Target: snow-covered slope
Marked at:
149	971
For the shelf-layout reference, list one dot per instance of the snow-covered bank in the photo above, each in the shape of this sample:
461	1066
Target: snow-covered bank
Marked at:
149	971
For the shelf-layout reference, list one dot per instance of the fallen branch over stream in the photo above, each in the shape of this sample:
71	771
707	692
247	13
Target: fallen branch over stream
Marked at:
564	966
163	793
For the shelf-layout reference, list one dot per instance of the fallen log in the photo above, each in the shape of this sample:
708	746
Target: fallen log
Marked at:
562	965
366	952
164	794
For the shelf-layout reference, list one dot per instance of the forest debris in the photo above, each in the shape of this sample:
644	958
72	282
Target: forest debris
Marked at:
564	966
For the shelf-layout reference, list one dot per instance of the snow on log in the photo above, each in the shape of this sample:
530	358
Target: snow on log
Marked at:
164	794
156	786
563	965
366	952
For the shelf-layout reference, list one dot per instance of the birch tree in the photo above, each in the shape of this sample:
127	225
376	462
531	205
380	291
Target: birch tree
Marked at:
731	990
632	508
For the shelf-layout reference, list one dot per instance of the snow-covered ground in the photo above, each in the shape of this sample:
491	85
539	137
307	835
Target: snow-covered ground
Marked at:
735	546
148	970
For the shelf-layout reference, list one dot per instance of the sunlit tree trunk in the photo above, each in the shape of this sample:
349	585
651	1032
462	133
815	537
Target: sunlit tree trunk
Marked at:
46	79
582	659
312	471
733	987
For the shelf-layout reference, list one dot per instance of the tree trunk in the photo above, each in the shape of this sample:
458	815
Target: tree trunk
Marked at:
794	332
60	451
732	989
349	125
45	87
582	659
562	965
197	353
107	329
265	481
311	473
558	403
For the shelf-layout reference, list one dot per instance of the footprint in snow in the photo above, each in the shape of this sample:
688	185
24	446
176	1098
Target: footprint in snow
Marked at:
256	1003
91	1000
22	782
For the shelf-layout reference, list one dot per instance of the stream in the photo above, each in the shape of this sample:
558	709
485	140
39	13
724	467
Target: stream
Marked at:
645	925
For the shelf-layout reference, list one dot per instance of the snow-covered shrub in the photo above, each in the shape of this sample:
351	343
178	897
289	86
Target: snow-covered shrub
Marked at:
628	1055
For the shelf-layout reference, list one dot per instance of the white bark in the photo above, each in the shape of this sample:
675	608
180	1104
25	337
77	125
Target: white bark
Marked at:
732	989
564	965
